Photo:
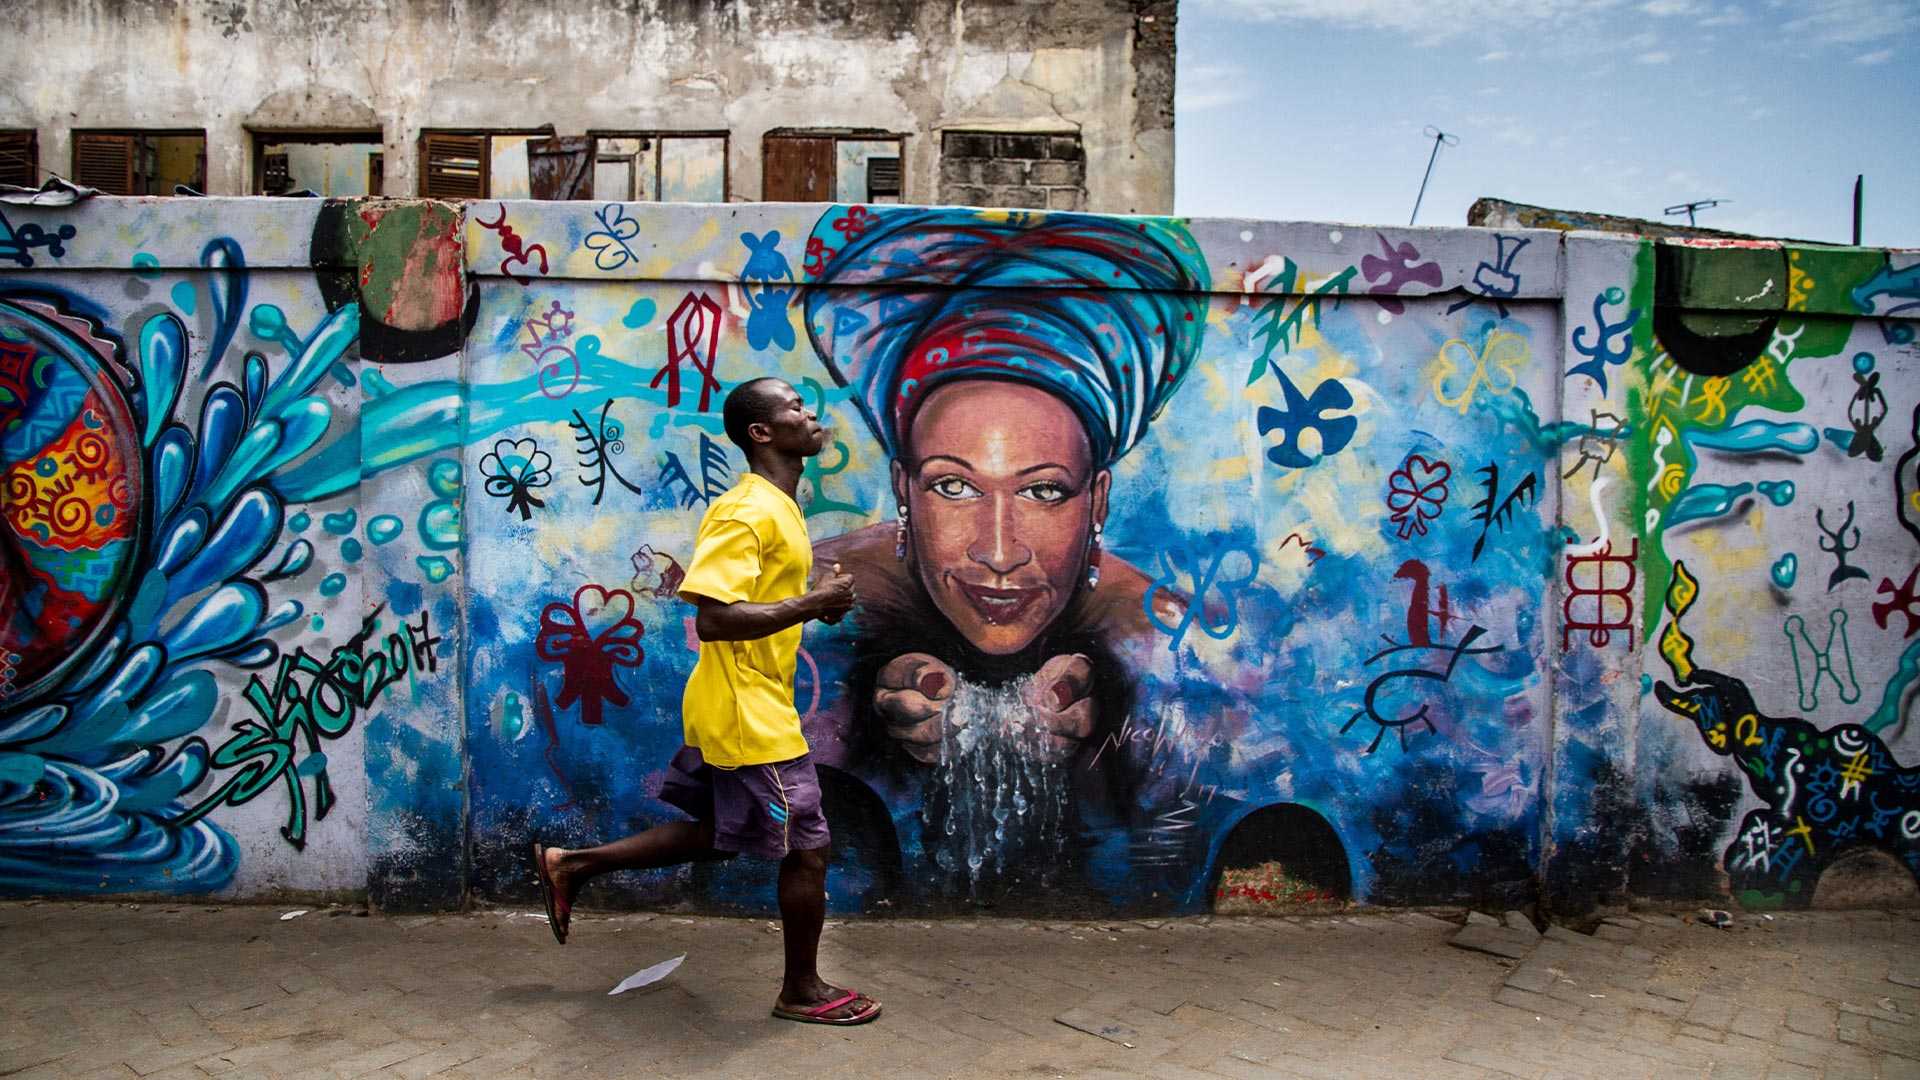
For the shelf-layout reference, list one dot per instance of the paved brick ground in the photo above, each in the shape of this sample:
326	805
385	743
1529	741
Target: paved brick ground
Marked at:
181	990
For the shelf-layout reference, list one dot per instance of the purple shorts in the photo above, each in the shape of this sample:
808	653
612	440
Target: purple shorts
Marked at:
764	810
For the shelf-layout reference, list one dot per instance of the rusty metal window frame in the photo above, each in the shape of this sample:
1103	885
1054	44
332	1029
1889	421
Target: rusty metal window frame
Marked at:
20	148
838	135
79	135
420	151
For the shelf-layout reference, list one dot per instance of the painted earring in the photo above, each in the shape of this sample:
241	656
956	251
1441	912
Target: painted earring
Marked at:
900	537
1093	560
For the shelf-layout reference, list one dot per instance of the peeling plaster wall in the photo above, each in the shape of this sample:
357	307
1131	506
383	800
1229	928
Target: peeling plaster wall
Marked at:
1099	67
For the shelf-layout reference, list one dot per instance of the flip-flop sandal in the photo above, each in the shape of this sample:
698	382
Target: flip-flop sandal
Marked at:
559	912
818	1014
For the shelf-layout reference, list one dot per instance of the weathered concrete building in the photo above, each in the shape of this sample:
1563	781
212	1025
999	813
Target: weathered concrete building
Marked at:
1064	105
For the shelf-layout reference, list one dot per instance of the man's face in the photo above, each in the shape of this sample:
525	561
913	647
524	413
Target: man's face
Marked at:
792	429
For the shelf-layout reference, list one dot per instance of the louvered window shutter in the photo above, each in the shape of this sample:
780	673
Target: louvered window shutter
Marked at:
453	166
19	158
104	162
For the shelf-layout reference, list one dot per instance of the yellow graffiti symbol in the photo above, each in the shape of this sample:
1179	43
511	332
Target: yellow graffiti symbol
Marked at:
1673	477
1747	728
1675	645
1759	377
1713	400
1804	831
1504	353
1718	736
1799	288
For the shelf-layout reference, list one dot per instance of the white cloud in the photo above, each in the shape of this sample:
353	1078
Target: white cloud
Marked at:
1210	86
1428	23
1654	58
1496	54
1668	8
1877	56
1849	22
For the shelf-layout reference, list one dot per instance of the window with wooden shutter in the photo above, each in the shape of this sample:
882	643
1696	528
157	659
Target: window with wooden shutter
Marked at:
561	167
106	162
453	166
19	158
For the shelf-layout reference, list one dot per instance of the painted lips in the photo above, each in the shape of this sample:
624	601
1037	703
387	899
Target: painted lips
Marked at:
999	606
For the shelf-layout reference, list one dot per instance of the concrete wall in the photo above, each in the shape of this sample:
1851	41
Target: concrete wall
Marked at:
1434	565
1103	68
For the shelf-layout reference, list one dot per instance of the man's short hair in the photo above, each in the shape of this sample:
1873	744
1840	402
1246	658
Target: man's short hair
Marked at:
752	402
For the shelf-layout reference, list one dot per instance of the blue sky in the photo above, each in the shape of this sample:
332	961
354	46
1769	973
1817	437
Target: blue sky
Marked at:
1313	110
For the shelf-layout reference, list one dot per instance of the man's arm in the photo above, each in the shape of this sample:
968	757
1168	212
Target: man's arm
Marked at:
745	621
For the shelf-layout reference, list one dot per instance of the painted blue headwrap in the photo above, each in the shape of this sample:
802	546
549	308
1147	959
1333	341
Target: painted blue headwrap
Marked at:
1106	313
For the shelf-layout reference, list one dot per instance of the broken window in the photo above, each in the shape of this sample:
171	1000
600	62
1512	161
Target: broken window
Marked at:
140	162
614	166
832	166
656	166
20	158
332	164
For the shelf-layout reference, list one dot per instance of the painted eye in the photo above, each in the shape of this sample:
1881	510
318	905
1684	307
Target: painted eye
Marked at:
1046	491
952	487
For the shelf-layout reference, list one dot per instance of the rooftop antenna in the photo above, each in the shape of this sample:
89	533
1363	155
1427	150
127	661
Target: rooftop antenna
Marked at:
1688	208
1440	138
1859	198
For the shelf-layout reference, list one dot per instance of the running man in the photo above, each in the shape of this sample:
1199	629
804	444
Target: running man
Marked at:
744	774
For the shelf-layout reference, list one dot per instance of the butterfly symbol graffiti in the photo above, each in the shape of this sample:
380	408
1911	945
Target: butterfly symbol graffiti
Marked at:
1230	568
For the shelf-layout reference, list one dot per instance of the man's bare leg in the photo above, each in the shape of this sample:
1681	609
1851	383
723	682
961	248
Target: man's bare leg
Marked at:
803	910
663	845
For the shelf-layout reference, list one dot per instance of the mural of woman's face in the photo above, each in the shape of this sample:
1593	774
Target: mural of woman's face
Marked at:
1001	496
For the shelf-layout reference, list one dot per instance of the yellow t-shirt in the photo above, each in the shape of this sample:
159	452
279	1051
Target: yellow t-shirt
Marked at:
738	707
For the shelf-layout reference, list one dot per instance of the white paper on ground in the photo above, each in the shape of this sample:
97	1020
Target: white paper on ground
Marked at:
647	976
293	914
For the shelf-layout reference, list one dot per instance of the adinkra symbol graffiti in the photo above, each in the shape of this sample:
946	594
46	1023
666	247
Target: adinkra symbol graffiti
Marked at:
1837	545
1416	493
515	245
693	336
1417	613
1493	510
1304	414
1866	410
1606	607
596	445
1280	324
1824	667
589	636
714	475
1609	344
815	473
1398	267
609	242
514	468
1496	280
17	243
546	347
1594	439
1215	594
1903	600
267	747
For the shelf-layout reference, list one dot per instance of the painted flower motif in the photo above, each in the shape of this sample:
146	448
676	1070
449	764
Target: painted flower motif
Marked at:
513	468
590	636
1416	493
857	221
817	255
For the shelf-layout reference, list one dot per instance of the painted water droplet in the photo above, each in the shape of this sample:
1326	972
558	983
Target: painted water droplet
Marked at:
439	525
340	524
513	720
1646	685
267	321
145	264
318	623
1786	570
300	521
1703	501
1779	492
375	385
1863	362
384	529
350	550
443	476
639	315
436	568
185	298
333	584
